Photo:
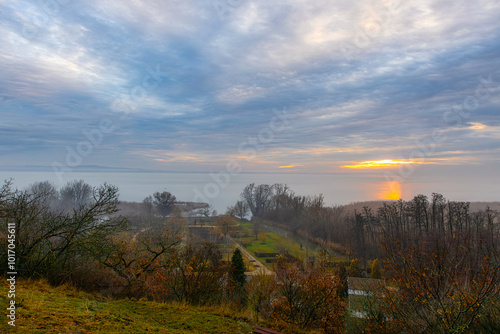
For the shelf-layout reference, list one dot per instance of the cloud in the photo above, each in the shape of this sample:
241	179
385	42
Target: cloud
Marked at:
379	164
361	81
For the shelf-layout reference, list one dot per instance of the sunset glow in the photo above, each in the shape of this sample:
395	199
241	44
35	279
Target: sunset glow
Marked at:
290	166
378	164
390	190
226	87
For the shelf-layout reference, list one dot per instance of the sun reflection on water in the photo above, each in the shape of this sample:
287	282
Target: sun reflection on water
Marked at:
390	190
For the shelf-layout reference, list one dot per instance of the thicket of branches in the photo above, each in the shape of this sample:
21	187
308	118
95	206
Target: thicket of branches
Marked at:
77	235
56	232
441	260
445	261
305	215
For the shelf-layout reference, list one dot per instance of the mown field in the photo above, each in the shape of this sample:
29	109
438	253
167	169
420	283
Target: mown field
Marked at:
42	308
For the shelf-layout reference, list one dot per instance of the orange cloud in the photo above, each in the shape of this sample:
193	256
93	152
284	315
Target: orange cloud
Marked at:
477	126
290	166
379	164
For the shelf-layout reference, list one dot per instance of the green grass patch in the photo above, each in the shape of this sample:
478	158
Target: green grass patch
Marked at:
41	308
270	242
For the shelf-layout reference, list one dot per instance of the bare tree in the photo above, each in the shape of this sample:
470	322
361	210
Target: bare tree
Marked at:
196	274
5	194
50	243
76	194
225	224
444	261
147	204
258	198
231	211
44	190
241	209
137	257
256	227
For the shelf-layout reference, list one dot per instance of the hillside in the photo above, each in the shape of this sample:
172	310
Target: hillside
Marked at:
42	308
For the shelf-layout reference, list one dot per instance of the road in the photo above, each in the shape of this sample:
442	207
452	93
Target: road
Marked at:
262	267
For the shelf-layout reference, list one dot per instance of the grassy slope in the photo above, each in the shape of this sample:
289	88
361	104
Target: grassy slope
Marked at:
45	309
270	242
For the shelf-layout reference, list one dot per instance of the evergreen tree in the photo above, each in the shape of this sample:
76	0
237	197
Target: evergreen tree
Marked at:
238	269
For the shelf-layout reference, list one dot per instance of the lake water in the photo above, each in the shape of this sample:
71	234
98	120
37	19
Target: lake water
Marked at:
224	190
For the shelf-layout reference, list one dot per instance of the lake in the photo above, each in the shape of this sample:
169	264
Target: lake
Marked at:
222	190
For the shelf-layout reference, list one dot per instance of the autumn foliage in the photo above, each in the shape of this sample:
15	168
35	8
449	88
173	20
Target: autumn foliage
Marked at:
444	261
307	297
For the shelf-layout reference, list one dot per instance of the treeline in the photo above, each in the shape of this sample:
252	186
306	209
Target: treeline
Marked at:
84	235
441	260
445	261
156	207
281	205
78	235
357	231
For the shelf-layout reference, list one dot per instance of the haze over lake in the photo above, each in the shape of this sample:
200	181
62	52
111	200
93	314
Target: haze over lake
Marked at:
221	191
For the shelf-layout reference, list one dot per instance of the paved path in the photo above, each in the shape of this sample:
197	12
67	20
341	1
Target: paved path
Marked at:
262	267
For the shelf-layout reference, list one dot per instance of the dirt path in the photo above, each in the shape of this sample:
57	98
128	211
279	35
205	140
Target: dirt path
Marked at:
262	267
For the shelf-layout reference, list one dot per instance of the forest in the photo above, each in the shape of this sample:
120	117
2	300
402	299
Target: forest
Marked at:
437	261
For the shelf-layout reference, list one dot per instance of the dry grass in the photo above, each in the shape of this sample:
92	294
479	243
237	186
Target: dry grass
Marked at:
45	309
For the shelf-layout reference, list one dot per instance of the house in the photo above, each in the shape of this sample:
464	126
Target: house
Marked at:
364	286
363	292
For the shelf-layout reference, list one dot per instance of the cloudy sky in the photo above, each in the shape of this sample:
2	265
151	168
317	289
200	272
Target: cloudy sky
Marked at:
291	86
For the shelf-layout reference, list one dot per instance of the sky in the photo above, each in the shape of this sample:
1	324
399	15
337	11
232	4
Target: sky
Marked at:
399	89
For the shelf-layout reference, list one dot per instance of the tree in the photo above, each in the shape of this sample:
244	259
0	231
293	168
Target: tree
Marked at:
51	243
354	270
375	272
238	269
258	198
196	274
256	227
164	201
138	258
445	262
237	278
46	191
204	211
308	298
76	194
225	224
5	196
231	211
147	204
261	292
240	209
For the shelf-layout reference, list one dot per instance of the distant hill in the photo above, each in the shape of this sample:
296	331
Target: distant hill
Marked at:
80	168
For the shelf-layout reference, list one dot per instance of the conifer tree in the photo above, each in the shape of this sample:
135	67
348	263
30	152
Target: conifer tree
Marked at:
238	269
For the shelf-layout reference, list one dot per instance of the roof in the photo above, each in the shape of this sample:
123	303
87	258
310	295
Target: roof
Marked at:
365	284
